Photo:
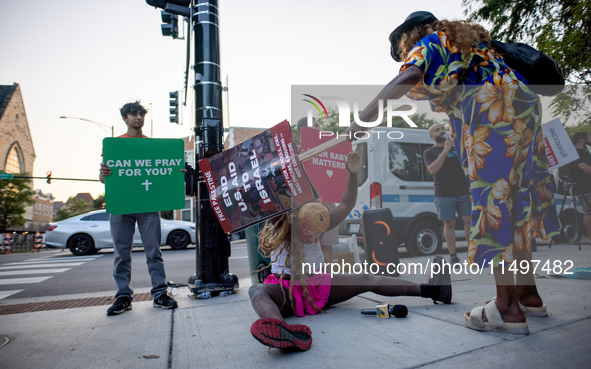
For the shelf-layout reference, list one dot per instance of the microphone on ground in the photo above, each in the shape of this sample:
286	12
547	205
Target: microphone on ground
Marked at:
399	311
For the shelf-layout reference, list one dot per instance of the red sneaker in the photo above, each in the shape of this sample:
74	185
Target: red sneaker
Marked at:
277	333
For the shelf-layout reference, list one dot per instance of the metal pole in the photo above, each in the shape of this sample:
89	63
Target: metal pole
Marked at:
213	247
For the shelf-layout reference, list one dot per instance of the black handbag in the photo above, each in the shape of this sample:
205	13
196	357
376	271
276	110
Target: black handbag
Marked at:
541	71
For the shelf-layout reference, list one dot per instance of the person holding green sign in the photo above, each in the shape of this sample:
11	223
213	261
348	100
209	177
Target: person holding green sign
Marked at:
123	228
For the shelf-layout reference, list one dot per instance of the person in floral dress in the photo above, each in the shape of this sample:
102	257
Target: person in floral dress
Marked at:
495	122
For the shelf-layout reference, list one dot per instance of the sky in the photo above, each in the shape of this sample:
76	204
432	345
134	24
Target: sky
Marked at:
86	59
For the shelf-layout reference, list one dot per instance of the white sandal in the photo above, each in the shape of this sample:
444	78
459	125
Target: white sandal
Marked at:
531	311
495	321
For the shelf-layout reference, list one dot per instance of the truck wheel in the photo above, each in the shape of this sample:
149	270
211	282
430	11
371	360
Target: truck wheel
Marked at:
425	238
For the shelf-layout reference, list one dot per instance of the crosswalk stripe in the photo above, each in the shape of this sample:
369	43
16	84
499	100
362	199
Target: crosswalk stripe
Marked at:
86	257
40	266
5	294
35	271
46	262
61	259
23	280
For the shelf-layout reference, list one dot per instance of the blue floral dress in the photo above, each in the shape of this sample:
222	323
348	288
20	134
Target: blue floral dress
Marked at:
495	122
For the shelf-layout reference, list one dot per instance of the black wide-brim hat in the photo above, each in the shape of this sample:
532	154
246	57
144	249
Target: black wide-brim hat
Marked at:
413	20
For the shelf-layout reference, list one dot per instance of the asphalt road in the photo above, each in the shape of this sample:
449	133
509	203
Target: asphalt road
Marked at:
52	273
55	272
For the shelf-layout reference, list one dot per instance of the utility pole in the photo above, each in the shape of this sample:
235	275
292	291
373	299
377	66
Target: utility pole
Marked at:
213	247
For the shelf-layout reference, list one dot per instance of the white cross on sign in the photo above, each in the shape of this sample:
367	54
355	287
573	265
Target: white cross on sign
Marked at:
147	184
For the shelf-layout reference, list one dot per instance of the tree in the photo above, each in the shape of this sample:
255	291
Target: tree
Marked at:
74	206
559	28
99	202
15	195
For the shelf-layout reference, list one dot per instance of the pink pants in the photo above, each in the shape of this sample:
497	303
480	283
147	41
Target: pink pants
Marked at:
318	286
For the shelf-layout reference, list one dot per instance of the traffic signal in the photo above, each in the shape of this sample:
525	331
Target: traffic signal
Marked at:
162	3
174	107
171	24
48	177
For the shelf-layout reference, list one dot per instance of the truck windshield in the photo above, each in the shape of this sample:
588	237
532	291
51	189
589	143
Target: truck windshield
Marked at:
363	172
405	161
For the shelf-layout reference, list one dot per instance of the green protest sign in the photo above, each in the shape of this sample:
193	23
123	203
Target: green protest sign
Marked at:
145	174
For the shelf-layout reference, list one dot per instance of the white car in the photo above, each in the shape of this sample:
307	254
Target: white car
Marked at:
90	232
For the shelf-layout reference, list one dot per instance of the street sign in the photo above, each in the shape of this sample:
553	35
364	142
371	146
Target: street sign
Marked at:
6	176
145	175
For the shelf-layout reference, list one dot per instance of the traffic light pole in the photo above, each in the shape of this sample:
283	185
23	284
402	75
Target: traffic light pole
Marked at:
213	246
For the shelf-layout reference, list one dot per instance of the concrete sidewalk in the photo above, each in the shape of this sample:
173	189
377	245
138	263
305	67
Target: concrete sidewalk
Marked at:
215	333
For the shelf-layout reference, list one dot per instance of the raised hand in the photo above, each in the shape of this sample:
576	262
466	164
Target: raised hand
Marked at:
352	163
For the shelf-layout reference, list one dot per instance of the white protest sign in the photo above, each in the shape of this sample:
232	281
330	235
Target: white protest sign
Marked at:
559	148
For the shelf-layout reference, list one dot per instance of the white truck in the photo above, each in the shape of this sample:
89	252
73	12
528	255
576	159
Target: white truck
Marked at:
392	174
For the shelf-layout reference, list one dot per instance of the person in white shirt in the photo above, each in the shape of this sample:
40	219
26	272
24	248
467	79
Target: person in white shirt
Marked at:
311	291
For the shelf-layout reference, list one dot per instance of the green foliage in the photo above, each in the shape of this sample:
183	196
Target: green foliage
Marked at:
99	202
15	195
74	206
168	214
331	123
574	103
559	28
294	132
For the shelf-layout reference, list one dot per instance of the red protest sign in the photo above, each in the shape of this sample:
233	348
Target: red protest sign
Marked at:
256	180
326	171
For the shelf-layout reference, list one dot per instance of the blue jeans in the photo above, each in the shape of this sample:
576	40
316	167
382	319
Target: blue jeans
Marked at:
122	230
448	206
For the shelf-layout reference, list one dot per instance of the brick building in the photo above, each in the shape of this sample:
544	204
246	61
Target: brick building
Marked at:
86	197
237	135
42	211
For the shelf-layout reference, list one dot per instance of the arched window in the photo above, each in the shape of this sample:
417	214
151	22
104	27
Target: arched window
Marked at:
14	160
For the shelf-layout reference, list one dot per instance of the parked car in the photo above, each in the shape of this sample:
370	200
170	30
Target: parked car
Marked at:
87	233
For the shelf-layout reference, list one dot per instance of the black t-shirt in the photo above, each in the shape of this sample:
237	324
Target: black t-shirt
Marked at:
450	180
581	179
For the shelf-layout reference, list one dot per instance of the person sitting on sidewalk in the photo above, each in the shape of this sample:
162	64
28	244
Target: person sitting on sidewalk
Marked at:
451	188
292	241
